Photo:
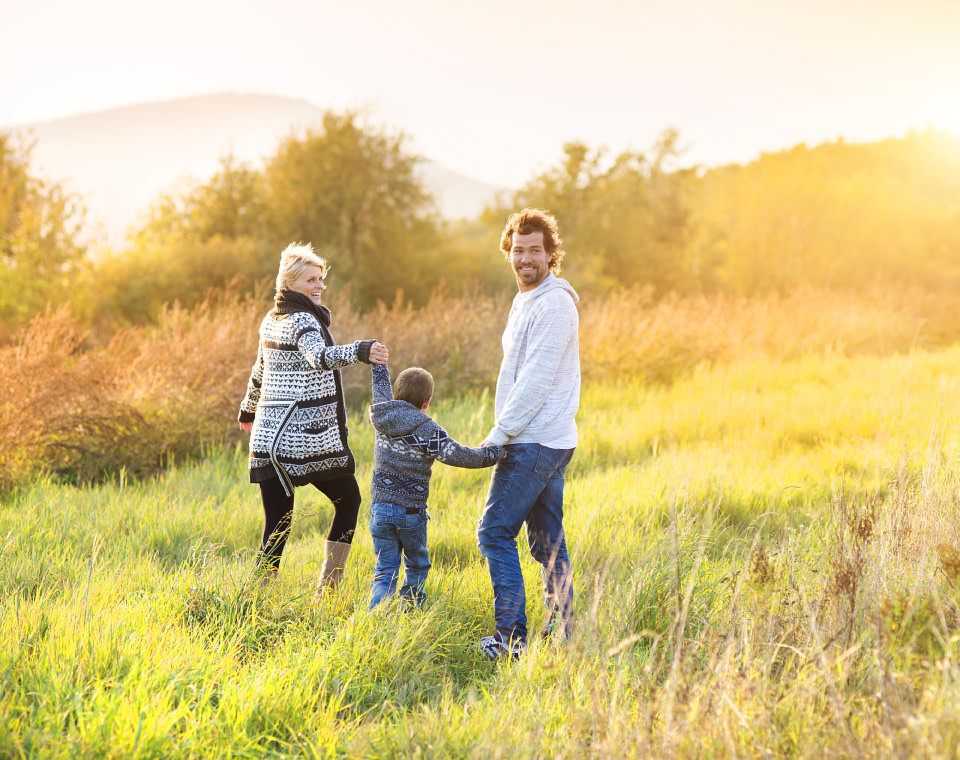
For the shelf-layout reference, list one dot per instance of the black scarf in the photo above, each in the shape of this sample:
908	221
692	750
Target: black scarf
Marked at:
290	302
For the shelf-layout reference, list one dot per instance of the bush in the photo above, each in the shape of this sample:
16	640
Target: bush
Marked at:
61	412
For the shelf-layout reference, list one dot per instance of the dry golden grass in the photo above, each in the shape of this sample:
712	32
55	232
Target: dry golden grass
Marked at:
629	334
60	410
150	394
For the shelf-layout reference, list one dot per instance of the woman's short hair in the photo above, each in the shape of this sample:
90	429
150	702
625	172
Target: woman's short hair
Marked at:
534	220
414	385
295	258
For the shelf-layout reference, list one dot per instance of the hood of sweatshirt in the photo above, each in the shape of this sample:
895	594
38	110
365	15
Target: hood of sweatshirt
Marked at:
550	283
396	418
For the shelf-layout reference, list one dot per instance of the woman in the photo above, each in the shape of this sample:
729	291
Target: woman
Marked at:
296	416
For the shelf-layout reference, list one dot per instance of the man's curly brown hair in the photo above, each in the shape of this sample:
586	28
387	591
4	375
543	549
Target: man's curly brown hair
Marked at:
534	220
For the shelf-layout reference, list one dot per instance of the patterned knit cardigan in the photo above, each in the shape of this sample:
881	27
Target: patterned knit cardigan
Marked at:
295	397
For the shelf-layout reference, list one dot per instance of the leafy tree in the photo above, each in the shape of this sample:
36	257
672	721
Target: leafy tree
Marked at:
472	262
229	205
626	221
135	285
208	238
40	252
348	189
352	192
839	215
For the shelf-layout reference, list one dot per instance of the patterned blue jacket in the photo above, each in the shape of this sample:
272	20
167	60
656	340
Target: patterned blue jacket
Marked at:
407	443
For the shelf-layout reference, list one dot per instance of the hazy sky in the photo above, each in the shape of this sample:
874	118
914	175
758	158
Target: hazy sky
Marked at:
495	88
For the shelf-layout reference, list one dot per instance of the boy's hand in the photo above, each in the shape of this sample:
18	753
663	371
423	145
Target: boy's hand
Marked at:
379	353
503	449
246	427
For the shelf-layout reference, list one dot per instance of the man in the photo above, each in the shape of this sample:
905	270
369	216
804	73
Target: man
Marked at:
538	393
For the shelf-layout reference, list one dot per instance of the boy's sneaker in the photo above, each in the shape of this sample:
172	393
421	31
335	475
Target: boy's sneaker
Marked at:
494	647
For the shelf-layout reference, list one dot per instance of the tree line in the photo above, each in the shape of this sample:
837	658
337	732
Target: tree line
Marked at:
837	215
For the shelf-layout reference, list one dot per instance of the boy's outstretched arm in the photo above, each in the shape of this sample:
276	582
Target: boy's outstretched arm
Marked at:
454	454
382	391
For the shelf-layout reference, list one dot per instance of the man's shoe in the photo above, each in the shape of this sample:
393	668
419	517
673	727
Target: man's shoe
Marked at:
494	647
556	630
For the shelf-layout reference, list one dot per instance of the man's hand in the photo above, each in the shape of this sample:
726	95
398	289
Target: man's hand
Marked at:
246	427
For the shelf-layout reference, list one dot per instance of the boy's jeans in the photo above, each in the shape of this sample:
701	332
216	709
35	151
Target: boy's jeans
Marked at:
527	487
396	532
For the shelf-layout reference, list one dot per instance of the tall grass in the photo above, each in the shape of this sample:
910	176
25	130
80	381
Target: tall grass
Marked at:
151	395
765	553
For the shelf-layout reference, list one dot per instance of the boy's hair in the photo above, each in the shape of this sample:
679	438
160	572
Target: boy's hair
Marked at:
414	385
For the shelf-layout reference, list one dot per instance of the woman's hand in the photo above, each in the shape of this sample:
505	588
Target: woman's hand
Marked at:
246	427
379	353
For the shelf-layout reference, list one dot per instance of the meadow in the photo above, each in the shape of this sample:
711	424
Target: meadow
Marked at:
765	549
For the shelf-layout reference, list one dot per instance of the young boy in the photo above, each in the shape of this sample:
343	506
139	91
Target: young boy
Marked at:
407	442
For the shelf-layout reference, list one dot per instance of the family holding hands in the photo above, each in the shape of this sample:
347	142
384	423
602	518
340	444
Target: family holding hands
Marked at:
295	413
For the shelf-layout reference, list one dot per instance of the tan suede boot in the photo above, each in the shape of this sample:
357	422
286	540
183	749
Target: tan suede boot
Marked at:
334	560
266	575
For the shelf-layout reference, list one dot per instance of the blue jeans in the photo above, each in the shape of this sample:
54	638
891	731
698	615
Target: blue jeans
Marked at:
527	487
397	533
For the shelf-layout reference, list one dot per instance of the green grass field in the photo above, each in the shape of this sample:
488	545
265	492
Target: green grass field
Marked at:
765	561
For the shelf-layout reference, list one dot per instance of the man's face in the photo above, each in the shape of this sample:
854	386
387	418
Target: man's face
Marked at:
529	259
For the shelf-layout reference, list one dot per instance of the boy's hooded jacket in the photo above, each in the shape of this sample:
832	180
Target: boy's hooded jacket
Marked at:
407	442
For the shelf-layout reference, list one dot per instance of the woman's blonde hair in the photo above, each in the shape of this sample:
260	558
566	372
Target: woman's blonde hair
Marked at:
295	258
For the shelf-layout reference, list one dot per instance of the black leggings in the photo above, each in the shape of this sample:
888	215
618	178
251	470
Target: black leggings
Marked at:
278	513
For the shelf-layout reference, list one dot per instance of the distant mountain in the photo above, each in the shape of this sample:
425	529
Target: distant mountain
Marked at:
119	160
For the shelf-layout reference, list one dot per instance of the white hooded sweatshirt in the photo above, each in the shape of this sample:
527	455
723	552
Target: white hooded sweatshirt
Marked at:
538	389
